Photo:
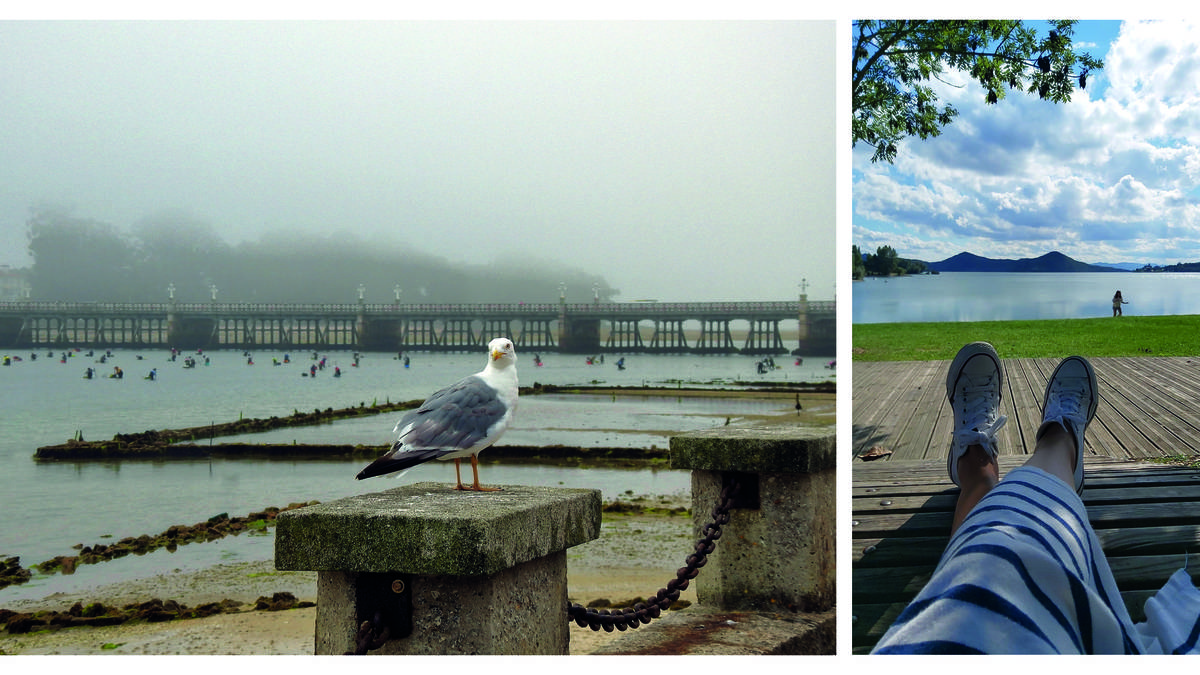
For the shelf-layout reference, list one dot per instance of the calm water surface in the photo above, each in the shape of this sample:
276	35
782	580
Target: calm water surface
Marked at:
49	507
988	296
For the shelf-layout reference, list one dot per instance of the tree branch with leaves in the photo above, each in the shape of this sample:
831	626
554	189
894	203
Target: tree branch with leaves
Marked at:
895	63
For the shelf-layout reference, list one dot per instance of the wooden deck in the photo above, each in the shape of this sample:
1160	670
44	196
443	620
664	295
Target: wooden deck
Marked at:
1149	407
1147	515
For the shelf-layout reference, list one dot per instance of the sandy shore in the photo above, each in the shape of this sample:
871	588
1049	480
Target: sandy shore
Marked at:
634	557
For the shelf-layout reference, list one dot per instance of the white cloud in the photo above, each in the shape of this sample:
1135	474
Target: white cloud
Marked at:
1105	178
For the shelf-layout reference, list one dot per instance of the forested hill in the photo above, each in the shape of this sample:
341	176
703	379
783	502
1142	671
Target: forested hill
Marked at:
82	260
1050	262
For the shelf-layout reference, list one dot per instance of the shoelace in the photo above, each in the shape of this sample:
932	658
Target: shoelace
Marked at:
1066	406
978	429
1067	401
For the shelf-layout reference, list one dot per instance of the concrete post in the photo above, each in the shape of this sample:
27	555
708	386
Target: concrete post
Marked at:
777	552
486	572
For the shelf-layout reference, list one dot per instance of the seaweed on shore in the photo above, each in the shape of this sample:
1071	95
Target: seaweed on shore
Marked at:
155	442
220	525
150	611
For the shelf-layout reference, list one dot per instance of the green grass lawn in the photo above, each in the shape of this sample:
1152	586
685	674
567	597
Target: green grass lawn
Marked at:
1109	336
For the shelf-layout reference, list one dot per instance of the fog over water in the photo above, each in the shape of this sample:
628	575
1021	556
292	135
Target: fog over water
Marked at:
678	161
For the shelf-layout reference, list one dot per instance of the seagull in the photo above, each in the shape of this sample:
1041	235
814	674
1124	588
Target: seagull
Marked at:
458	421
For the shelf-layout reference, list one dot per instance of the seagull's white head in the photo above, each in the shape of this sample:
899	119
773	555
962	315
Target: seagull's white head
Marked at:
501	353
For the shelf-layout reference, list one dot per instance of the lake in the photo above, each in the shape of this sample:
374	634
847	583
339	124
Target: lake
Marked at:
994	296
48	507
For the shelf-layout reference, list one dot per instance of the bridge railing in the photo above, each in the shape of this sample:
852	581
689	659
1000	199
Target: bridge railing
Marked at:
630	309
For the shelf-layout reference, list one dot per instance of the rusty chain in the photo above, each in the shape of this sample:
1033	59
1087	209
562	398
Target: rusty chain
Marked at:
644	612
371	635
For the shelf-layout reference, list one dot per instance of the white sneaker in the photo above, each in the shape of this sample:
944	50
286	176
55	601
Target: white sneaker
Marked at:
1070	401
974	386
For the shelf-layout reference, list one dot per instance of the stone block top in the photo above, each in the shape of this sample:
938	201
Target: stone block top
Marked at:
433	529
757	449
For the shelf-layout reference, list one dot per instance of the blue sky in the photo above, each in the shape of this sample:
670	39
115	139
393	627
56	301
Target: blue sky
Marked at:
1113	176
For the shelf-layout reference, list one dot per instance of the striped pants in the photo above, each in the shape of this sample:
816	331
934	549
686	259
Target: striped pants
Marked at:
1025	574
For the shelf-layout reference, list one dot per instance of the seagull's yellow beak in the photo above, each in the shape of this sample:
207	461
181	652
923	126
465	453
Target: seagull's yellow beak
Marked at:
496	353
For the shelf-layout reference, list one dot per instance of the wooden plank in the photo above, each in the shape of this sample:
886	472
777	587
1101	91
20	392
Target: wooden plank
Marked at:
917	438
1140	433
877	410
1148	407
927	523
1175	414
1154	492
1167	540
912	402
1024	393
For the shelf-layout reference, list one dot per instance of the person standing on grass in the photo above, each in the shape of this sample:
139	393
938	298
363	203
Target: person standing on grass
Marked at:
1024	572
1117	302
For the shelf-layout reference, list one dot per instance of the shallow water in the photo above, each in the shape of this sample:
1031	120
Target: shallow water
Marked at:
51	506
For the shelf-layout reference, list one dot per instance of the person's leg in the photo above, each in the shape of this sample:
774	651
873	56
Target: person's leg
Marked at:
1055	454
974	387
978	473
1024	572
1068	406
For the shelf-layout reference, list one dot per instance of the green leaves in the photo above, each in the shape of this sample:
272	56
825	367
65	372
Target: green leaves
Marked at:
894	62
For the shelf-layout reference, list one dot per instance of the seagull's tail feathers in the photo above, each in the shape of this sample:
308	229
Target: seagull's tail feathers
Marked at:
398	460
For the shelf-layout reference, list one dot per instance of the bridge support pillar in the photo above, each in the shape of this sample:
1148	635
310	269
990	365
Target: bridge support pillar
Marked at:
451	572
715	337
494	328
419	334
764	338
362	329
536	333
457	334
578	336
668	336
625	335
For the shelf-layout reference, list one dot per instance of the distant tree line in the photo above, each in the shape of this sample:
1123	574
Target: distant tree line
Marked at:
884	262
1177	267
83	260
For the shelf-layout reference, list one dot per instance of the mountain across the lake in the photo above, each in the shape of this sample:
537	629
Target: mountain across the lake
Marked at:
1051	262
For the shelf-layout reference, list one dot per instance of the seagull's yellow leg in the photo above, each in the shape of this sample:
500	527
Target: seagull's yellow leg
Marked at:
458	476
475	471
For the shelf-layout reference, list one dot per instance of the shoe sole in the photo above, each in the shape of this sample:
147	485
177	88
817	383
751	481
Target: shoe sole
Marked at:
1091	413
965	354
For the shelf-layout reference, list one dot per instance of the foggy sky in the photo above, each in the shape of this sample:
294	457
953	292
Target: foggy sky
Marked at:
680	161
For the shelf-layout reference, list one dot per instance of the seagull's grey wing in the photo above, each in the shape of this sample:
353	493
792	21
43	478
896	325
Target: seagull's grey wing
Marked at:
458	417
452	420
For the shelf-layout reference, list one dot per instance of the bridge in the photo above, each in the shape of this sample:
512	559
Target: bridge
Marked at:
581	328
